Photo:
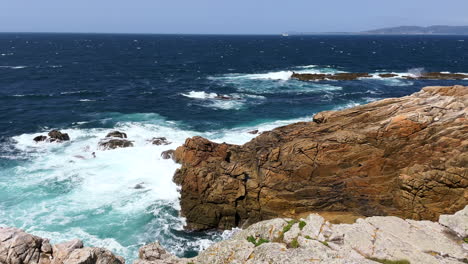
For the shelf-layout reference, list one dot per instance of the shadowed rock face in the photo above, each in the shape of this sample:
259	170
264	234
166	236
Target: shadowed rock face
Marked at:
404	156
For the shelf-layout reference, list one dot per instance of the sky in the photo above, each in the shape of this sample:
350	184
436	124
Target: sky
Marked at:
225	17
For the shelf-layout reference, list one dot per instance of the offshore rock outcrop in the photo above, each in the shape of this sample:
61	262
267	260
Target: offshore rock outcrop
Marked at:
405	157
314	240
355	76
18	247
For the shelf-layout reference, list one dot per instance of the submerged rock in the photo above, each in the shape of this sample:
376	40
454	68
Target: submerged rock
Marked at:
253	132
160	141
117	134
56	135
19	247
168	154
396	157
40	138
115	143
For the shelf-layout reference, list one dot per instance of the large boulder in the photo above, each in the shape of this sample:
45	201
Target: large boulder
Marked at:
56	135
114	143
406	157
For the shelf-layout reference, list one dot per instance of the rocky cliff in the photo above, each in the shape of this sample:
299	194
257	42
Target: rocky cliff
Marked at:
404	156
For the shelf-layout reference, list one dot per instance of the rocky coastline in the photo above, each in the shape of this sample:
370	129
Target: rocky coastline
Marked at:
334	190
405	157
282	240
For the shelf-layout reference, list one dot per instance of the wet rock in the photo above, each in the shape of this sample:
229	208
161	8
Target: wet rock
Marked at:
117	134
360	160
106	144
160	141
253	132
438	76
40	138
388	75
168	154
57	136
139	186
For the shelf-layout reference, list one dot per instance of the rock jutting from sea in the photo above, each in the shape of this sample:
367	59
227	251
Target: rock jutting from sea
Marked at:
350	76
405	157
282	240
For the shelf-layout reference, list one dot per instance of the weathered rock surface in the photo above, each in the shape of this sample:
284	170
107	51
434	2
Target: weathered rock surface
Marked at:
314	240
356	76
114	143
405	157
117	134
18	247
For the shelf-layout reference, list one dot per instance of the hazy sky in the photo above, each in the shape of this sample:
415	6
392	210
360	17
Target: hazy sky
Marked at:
221	16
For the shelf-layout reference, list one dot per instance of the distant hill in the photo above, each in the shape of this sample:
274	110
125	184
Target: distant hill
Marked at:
413	30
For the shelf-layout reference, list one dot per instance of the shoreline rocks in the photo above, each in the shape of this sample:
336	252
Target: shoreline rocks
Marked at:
404	156
19	247
356	76
277	241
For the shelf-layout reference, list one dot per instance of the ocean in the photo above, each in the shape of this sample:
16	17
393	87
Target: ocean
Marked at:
168	86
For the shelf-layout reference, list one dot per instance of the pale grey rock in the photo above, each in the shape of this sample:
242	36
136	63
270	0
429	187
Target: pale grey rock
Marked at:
269	230
19	247
90	255
314	223
457	222
61	251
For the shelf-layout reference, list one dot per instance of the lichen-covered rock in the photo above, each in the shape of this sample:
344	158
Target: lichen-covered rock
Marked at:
314	240
19	247
406	157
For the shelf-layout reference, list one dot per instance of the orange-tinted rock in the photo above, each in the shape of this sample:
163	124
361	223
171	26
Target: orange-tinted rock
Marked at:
400	156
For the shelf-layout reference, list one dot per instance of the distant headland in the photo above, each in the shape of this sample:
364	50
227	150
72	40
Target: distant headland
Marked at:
401	30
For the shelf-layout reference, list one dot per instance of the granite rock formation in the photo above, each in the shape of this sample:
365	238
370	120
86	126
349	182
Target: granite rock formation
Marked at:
18	247
313	240
405	157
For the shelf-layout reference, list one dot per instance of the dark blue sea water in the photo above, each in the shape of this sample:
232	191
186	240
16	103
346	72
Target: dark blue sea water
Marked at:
166	85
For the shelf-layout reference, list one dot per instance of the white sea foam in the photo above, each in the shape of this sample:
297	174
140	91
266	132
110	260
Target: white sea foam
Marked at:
200	95
86	100
13	67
